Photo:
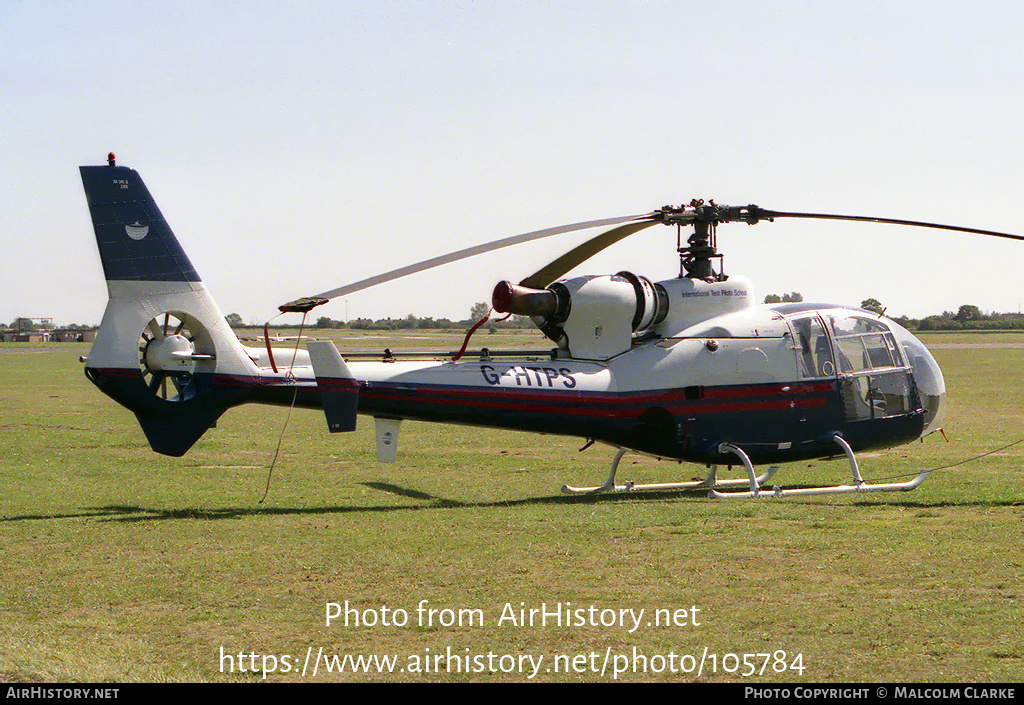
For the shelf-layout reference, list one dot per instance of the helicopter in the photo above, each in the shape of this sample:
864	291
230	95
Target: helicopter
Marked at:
690	369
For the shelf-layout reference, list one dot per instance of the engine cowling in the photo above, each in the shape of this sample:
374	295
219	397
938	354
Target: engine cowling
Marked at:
593	317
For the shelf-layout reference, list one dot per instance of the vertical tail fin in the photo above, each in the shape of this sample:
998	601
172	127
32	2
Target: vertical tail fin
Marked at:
134	240
163	343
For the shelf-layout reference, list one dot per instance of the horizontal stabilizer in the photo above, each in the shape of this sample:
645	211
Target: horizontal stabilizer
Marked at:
339	391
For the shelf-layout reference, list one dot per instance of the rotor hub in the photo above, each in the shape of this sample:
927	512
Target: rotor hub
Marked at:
170	354
172	348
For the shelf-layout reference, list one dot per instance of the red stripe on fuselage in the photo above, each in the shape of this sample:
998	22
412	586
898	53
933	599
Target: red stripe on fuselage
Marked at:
775	396
605	404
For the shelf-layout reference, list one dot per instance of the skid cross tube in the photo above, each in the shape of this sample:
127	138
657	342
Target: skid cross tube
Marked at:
708	482
859	485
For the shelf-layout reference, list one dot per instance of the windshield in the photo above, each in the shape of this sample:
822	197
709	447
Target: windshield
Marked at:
865	344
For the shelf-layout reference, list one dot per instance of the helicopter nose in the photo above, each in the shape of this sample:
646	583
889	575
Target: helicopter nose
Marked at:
928	377
934	408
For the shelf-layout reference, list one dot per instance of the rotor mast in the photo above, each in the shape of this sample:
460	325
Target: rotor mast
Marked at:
695	259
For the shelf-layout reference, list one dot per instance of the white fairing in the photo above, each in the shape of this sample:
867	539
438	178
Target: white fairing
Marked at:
599	324
691	301
606	311
750	346
133	305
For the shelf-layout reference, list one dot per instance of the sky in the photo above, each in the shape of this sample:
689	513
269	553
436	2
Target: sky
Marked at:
296	147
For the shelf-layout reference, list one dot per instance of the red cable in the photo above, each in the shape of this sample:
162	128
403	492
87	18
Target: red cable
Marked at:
266	339
465	343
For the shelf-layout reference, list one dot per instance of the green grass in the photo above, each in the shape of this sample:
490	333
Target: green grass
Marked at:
123	565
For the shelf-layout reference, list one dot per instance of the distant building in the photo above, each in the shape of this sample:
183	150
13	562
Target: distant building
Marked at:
60	335
73	335
36	336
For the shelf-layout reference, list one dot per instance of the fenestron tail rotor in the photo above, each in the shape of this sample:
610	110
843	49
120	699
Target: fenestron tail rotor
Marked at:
168	354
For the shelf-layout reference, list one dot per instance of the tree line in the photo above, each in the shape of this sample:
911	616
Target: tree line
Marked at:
412	322
967	317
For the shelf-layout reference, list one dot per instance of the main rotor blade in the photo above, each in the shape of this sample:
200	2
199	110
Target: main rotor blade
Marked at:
554	270
767	214
468	252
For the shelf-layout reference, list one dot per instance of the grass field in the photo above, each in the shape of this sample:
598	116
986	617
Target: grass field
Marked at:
123	565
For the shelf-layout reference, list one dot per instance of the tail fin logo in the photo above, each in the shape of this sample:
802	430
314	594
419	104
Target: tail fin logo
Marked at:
136	231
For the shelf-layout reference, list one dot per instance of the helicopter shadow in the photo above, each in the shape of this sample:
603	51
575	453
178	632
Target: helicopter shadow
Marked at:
134	513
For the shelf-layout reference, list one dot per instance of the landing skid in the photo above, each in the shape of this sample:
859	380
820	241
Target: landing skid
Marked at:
755	482
756	489
708	482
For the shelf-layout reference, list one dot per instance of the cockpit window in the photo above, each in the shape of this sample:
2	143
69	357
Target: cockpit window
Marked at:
874	378
865	344
814	353
857	325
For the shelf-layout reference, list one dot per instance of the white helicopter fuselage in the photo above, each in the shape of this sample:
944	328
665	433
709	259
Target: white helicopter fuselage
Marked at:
675	369
776	381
